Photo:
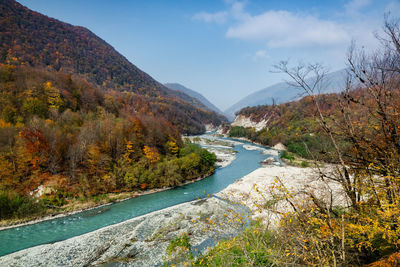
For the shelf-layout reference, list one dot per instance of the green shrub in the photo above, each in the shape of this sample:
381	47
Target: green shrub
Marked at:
179	243
208	158
238	131
304	164
56	199
192	162
297	148
35	106
286	155
15	206
254	247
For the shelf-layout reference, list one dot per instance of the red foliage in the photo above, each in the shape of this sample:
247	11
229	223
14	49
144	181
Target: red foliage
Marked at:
36	146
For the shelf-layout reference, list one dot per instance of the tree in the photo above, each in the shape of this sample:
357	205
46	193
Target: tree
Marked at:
34	106
151	154
53	96
172	146
364	133
129	151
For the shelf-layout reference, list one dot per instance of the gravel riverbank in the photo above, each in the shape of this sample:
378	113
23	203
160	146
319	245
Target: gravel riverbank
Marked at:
140	241
253	189
143	241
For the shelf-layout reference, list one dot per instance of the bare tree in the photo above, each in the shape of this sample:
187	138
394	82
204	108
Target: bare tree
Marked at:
301	78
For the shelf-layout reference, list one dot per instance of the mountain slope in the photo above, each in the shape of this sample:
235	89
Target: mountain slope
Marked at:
282	92
30	38
194	94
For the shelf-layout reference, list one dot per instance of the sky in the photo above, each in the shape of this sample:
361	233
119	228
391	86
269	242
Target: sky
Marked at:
226	49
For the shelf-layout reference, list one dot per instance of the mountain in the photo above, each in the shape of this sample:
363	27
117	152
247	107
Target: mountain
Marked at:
194	94
283	92
30	38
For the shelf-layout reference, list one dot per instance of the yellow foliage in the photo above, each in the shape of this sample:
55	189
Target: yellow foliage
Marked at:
151	154
4	124
172	146
53	96
129	151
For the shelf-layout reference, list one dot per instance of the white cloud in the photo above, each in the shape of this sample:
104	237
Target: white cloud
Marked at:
218	17
260	54
237	11
285	29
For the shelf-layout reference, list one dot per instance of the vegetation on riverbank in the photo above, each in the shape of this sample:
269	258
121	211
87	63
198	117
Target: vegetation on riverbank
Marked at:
292	124
190	163
358	130
78	120
254	247
62	138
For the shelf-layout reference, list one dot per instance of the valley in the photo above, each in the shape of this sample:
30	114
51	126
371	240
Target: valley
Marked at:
102	164
90	220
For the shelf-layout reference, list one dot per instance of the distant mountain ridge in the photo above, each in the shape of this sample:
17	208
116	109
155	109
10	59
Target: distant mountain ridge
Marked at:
194	94
283	92
30	38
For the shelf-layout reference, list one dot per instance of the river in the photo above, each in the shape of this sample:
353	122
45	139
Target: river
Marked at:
54	230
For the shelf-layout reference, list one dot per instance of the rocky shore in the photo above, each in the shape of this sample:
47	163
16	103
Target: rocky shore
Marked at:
140	241
222	149
253	190
143	241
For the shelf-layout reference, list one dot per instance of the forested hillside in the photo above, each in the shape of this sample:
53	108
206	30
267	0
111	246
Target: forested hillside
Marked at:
29	38
68	135
283	92
292	124
78	120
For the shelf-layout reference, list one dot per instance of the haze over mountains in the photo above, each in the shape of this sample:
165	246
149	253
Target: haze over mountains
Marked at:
283	92
30	38
194	94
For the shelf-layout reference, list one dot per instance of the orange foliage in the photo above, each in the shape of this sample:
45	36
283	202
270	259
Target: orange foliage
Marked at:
151	154
392	260
4	124
129	151
36	146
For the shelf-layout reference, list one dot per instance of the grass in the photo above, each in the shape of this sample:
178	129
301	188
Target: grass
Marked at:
179	243
254	247
295	160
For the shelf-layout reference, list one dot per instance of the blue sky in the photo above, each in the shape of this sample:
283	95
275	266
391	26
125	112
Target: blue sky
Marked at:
225	49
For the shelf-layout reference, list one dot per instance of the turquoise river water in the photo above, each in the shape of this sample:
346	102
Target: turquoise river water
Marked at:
54	230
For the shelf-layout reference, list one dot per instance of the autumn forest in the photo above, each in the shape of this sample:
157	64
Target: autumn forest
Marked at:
81	126
79	118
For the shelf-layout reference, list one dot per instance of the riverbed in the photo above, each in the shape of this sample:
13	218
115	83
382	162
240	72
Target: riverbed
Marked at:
51	231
